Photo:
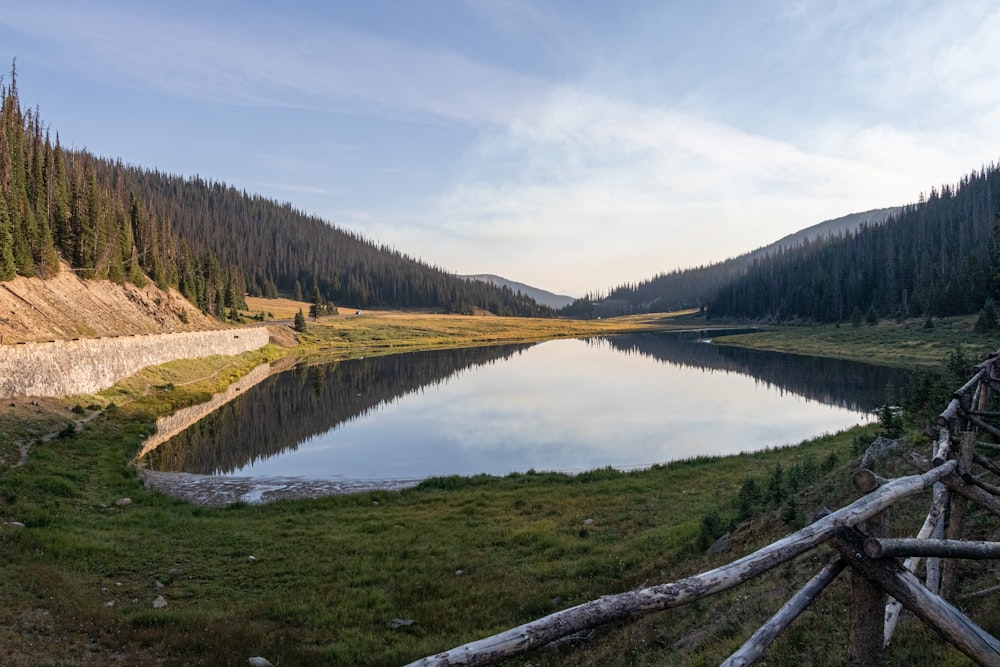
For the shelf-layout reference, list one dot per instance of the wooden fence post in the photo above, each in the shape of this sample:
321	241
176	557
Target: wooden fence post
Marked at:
866	646
956	515
945	619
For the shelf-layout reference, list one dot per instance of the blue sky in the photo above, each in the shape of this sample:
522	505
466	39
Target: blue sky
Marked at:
572	145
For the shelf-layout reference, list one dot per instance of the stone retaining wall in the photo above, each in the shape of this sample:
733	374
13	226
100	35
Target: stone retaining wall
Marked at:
87	365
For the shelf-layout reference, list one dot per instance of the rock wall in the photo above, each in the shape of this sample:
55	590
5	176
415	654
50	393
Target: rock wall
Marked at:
87	365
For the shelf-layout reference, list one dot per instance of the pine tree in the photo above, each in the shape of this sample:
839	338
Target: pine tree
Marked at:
316	304
300	322
8	269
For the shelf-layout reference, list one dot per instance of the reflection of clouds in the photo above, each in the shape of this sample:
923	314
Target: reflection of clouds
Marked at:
562	405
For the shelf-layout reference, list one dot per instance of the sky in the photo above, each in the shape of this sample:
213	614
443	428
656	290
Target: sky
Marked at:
574	145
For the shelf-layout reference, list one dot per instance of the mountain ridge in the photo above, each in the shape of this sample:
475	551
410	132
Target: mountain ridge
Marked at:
542	296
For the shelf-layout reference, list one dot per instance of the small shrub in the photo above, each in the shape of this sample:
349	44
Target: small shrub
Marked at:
711	529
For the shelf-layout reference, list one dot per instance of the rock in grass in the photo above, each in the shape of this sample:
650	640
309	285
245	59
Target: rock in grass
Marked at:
258	661
720	545
401	623
122	502
159	602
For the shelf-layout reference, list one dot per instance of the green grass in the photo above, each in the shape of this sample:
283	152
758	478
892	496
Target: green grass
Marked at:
907	344
461	557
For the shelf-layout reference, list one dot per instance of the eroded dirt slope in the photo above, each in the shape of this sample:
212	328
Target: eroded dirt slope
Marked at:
32	309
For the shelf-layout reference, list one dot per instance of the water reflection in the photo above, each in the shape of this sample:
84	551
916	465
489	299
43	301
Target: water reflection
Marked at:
849	384
561	405
287	409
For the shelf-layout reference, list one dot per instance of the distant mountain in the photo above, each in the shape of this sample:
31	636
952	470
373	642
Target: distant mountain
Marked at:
694	287
541	296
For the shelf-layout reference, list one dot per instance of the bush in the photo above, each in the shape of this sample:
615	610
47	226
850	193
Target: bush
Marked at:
712	528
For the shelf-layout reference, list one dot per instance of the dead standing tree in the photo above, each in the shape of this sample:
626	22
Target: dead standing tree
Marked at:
881	585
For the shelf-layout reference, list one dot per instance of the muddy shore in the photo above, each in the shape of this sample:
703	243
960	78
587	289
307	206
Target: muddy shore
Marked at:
211	491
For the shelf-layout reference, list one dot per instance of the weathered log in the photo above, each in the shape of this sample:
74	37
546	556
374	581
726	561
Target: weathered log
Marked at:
893	607
866	481
754	647
942	496
956	512
611	608
989	428
973	493
943	446
966	450
885	547
954	626
949	413
991	489
976	594
986	462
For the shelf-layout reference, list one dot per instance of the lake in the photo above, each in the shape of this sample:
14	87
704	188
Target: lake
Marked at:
627	401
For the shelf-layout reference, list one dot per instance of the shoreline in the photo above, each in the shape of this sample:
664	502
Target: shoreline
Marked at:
218	491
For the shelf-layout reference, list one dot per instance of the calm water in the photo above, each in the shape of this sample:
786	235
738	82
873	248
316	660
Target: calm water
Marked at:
568	405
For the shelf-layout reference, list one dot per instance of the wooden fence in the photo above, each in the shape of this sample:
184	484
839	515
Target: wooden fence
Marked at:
881	584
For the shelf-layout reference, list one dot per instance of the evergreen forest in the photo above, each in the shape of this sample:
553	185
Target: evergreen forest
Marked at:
214	243
938	257
935	258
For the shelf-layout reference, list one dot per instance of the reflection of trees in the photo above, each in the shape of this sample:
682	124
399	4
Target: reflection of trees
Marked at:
287	409
848	384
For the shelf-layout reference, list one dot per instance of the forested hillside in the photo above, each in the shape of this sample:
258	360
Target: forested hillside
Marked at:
682	289
110	221
278	246
934	258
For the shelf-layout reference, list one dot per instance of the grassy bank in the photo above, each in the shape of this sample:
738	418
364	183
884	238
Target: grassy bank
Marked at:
907	344
391	332
459	557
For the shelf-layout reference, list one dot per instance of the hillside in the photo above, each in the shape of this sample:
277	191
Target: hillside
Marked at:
210	241
683	289
543	297
65	307
936	258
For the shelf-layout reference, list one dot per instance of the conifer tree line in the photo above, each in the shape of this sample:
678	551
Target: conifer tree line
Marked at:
71	205
111	221
938	257
279	247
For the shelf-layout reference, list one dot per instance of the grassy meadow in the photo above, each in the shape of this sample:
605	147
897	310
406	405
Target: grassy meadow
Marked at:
321	582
